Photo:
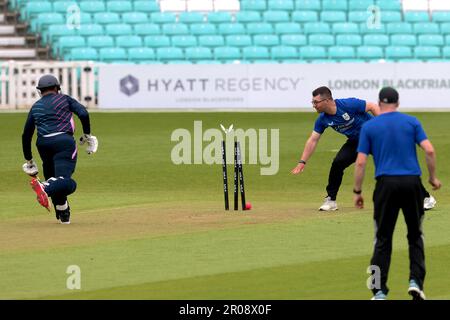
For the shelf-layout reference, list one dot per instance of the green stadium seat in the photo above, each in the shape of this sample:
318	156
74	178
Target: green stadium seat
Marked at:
427	52
296	40
90	30
241	40
146	6
287	5
66	43
316	27
203	29
119	6
118	29
255	53
198	53
446	52
44	20
399	28
376	29
134	17
169	53
288	28
358	16
426	28
32	9
62	6
211	41
393	5
376	40
266	40
409	40
145	29
106	17
345	28
191	17
440	16
391	16
259	28
227	53
257	5
59	30
353	40
163	17
157	41
354	5
447	40
313	5
83	54
416	16
284	53
369	52
305	16
341	52
92	6
398	52
333	16
129	41
184	41
321	40
85	18
445	28
431	40
248	16
313	52
221	17
112	54
174	29
100	42
334	5
231	28
276	16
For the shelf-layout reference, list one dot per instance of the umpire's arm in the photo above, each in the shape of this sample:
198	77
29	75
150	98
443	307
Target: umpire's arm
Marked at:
430	158
360	168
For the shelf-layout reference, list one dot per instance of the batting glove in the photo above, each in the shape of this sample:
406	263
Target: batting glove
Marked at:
92	143
30	168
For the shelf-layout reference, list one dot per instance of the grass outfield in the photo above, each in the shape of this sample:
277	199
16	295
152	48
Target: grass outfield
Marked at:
144	228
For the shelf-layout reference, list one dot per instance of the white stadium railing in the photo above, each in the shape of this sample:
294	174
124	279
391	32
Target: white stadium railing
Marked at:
18	80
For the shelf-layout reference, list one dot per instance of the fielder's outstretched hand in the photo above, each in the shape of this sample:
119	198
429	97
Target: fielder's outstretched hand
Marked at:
435	183
92	143
298	169
359	201
30	168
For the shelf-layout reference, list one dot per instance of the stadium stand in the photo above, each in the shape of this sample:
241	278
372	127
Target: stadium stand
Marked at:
143	31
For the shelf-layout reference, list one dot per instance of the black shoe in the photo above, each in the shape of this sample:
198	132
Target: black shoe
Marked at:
64	216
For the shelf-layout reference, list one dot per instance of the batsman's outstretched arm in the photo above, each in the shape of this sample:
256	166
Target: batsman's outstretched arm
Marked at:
310	146
430	158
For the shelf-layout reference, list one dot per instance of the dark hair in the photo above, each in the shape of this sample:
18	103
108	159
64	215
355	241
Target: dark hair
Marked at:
323	92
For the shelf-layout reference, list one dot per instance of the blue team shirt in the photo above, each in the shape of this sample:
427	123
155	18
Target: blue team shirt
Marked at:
350	116
53	113
391	138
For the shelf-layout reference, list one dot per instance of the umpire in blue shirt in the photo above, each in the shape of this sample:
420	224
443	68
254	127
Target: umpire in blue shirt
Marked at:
52	116
391	139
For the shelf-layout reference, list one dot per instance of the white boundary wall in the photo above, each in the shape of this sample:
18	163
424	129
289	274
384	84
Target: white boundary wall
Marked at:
18	81
252	86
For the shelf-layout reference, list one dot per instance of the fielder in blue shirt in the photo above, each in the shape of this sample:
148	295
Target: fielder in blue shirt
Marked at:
391	139
345	116
52	115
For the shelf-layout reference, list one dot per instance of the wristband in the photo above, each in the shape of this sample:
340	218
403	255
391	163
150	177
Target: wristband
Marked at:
302	161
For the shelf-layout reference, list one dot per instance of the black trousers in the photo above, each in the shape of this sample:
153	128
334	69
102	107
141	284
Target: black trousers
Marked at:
344	158
59	158
391	194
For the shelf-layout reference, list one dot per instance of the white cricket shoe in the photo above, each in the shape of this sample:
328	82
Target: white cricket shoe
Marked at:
429	203
328	205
